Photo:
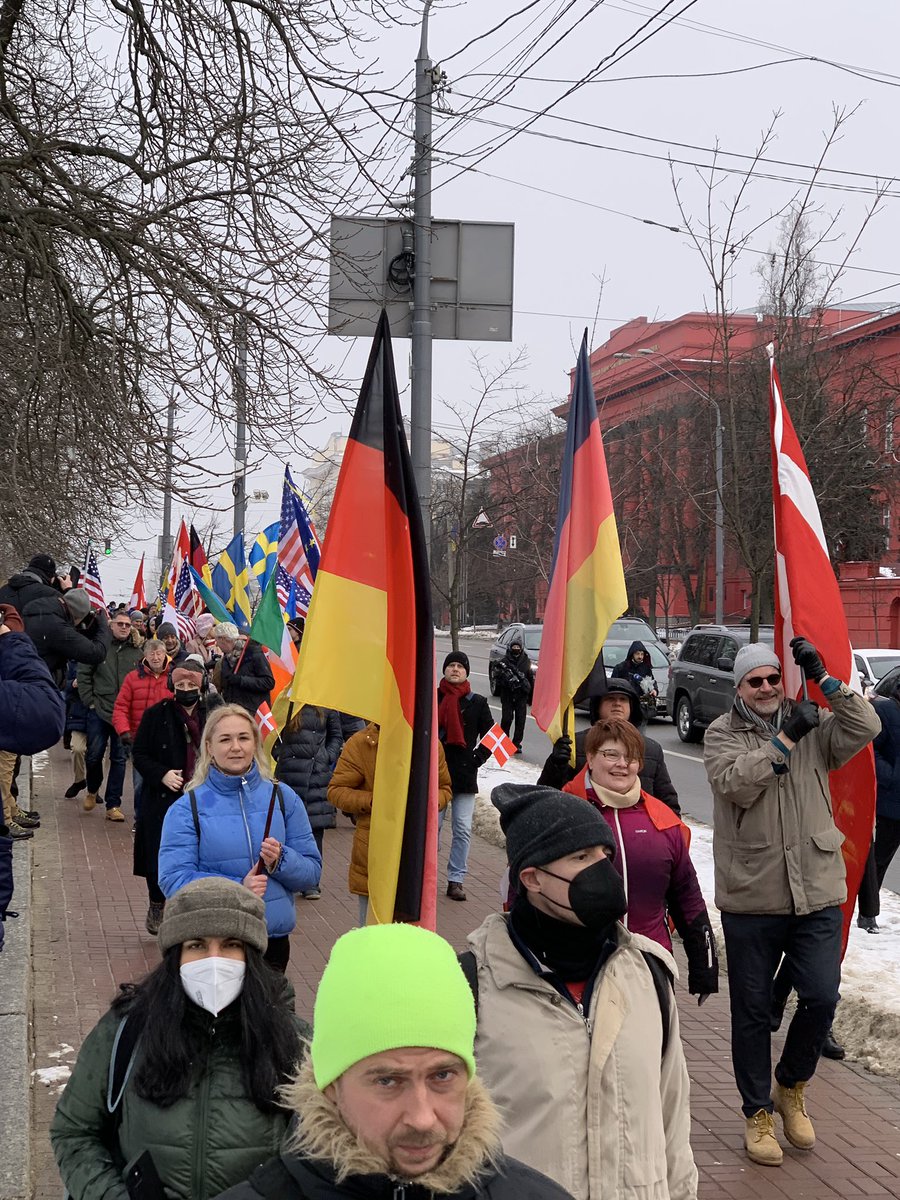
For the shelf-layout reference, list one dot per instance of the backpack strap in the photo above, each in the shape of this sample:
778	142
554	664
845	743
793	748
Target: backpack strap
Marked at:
194	813
665	989
121	1061
469	967
273	1179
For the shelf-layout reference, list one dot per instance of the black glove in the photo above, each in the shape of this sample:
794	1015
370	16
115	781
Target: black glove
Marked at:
703	959
807	657
803	718
125	738
562	749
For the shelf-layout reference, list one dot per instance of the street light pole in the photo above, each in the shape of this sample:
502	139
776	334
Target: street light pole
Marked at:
719	469
420	403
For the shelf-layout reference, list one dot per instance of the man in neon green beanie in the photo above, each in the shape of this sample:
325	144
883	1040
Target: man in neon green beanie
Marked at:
389	1096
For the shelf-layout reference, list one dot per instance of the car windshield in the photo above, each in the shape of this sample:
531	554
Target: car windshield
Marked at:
533	639
880	666
631	630
614	653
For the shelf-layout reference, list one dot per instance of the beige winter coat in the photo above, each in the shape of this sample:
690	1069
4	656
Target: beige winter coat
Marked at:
775	844
596	1107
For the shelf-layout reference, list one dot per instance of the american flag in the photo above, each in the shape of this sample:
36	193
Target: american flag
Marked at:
298	548
187	598
90	580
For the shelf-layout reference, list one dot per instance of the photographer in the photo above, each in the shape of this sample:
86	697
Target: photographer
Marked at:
65	629
515	684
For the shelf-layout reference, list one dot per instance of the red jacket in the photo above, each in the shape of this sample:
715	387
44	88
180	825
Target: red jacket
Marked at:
139	691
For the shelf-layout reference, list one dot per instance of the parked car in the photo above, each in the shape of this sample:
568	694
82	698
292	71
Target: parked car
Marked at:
886	684
701	679
873	665
530	638
614	652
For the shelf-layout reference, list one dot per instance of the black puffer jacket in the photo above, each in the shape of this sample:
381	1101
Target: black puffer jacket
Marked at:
305	756
21	589
253	681
515	676
463	761
58	641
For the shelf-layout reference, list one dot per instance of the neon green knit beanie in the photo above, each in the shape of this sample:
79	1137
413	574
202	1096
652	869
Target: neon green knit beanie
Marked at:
386	987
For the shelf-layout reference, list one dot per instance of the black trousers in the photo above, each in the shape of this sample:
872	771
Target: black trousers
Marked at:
881	854
513	707
754	944
278	951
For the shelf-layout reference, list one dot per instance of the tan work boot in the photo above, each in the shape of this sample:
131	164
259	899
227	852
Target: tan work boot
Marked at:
115	814
89	803
760	1141
790	1105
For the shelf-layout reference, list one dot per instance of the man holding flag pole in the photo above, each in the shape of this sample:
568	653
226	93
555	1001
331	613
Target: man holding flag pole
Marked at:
790	790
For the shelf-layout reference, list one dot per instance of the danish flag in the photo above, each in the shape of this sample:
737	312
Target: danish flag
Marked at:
502	747
808	604
265	721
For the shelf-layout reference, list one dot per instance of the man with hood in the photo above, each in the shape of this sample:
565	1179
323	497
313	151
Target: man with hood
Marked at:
36	579
637	669
780	875
388	1102
515	684
578	1036
620	702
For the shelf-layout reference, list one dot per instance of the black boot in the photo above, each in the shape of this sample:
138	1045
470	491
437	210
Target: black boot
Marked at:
832	1049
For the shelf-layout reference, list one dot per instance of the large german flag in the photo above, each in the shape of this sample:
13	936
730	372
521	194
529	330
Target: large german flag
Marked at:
587	583
368	647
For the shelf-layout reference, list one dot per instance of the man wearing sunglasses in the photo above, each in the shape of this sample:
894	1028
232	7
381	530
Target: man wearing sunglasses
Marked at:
780	878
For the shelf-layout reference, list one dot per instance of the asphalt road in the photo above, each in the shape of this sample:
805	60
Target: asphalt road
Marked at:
685	762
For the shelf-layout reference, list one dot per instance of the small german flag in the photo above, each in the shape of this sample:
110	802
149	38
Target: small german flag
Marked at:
368	646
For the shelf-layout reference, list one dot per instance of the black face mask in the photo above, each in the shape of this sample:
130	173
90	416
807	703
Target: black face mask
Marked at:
596	895
187	699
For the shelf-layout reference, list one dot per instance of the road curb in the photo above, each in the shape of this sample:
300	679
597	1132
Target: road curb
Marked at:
15	1022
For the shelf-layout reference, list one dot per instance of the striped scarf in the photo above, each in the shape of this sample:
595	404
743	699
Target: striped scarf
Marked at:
769	728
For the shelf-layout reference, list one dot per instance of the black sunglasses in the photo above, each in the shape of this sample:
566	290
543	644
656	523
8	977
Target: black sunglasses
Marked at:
756	681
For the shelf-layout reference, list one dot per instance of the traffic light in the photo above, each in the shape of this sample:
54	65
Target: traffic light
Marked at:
107	545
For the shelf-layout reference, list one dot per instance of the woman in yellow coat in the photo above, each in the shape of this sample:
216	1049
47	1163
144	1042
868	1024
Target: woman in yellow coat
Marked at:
350	790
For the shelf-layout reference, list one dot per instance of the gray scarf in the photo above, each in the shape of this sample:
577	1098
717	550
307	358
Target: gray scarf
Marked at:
769	728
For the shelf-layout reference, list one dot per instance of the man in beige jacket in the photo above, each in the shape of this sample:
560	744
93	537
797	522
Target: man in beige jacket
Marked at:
578	1037
780	878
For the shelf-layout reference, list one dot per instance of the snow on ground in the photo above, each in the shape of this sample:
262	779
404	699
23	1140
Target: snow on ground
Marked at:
868	1017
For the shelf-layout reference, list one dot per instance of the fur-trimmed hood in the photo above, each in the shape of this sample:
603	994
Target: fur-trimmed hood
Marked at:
321	1135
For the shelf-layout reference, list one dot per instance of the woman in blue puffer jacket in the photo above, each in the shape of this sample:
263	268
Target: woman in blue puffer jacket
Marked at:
221	832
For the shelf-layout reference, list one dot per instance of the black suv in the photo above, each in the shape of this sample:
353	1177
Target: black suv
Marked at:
701	679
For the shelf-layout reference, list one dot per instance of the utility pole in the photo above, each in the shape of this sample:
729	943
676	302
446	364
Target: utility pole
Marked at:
239	487
166	541
420	409
720	520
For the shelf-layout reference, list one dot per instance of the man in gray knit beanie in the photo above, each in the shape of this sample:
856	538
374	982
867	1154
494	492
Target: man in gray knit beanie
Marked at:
577	1025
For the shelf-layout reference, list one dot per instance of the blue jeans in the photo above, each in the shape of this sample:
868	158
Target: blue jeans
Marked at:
100	734
462	806
755	944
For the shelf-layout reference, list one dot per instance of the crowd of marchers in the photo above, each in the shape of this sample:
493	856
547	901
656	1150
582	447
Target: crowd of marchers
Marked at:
545	1060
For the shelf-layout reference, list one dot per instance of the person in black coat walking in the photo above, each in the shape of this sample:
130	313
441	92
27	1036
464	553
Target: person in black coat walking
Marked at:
463	719
515	683
620	702
166	747
305	755
243	675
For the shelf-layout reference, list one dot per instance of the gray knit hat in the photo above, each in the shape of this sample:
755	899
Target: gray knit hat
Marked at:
78	602
213	907
542	824
751	656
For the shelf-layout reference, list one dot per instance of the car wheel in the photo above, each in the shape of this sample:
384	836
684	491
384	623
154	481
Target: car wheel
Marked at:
492	679
684	721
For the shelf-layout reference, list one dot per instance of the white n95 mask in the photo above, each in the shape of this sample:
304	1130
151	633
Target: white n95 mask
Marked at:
213	982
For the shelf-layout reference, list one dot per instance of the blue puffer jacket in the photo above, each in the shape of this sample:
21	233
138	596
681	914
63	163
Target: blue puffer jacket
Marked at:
76	712
887	758
232	811
32	713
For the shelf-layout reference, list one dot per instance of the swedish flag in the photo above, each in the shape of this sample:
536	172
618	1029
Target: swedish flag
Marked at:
229	580
264	554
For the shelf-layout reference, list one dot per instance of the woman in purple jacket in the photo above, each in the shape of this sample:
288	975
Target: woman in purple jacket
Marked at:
652	850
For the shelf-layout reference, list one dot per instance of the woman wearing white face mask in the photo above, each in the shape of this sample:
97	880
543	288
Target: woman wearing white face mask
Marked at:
178	1080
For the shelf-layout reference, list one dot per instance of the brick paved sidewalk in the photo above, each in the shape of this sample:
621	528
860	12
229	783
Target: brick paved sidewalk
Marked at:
88	936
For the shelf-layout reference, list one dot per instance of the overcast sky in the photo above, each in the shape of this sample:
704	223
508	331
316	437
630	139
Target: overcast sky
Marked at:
700	81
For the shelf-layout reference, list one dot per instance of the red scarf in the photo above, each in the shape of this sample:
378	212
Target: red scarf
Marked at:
449	716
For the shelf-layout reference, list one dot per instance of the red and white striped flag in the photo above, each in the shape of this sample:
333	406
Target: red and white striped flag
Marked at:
90	580
808	604
502	747
138	595
265	721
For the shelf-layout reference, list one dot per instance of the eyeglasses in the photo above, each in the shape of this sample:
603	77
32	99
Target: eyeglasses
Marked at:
756	681
612	756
